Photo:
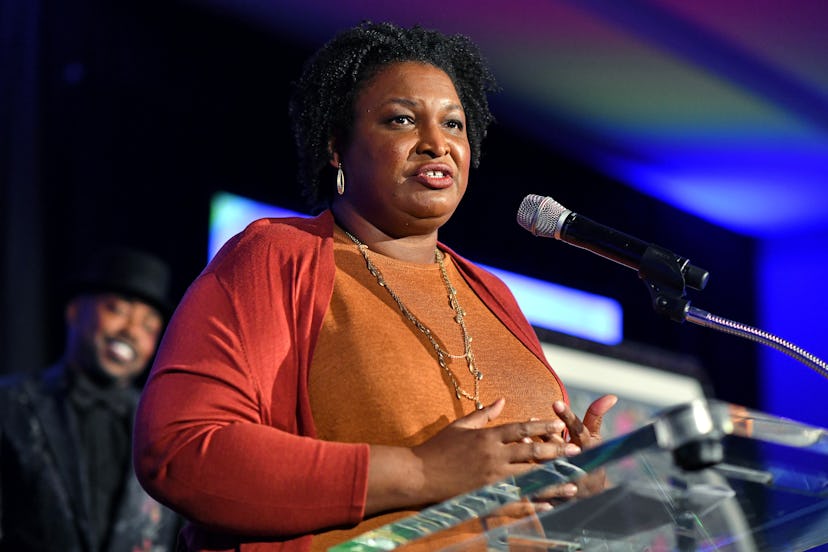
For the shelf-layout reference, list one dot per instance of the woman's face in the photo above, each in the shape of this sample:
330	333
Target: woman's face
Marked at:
406	163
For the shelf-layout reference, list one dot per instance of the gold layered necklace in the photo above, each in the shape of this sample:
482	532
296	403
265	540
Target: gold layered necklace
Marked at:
459	315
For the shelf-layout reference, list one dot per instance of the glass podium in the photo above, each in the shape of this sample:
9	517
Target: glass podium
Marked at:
705	475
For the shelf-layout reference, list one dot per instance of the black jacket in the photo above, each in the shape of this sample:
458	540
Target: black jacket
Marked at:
44	503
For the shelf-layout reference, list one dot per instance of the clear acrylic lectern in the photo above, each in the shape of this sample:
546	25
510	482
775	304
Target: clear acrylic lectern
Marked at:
706	475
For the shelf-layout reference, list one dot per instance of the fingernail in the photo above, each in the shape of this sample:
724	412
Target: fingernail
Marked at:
570	489
559	406
572	450
558	426
542	506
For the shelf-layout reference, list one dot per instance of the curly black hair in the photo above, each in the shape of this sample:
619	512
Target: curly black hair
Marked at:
322	102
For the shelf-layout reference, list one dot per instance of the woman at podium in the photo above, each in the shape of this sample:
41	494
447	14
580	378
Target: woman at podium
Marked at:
326	376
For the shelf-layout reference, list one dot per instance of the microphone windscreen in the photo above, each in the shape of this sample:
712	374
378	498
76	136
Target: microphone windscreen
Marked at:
540	215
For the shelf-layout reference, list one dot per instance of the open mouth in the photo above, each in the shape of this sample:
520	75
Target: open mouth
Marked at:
435	174
435	177
120	350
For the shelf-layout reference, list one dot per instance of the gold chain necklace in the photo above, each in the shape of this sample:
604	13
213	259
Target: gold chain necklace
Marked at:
460	314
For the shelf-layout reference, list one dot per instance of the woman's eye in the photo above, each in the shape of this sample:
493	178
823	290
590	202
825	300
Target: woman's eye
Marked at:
401	119
455	124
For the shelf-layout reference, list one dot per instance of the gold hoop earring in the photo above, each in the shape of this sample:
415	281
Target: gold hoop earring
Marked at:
340	180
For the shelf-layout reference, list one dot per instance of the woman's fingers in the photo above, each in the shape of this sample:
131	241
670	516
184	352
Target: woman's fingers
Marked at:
534	452
474	451
585	433
578	432
564	490
481	418
594	416
531	429
519	510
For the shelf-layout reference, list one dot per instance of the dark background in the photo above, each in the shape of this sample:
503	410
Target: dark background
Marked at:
121	119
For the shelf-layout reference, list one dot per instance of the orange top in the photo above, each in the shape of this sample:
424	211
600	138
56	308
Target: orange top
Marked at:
375	378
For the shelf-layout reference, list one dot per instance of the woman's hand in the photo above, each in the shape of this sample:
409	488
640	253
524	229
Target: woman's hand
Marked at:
586	434
466	455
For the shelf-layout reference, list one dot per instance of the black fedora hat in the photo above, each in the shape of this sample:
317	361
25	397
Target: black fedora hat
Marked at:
129	272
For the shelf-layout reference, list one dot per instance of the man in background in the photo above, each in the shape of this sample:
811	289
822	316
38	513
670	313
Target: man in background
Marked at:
66	476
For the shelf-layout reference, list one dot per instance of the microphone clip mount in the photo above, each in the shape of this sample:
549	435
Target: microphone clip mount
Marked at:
665	274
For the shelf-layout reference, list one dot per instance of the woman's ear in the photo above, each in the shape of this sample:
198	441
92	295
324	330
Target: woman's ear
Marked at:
335	160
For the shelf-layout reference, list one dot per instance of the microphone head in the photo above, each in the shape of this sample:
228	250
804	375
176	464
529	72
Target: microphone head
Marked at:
542	215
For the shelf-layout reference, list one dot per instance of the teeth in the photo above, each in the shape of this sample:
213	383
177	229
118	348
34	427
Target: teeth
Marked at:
434	174
122	351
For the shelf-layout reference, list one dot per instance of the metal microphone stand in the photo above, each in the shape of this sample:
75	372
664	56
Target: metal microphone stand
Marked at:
666	274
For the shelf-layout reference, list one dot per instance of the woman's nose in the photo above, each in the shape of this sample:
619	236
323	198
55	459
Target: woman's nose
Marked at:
433	141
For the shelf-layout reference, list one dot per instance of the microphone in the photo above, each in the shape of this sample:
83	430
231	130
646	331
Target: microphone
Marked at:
545	217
